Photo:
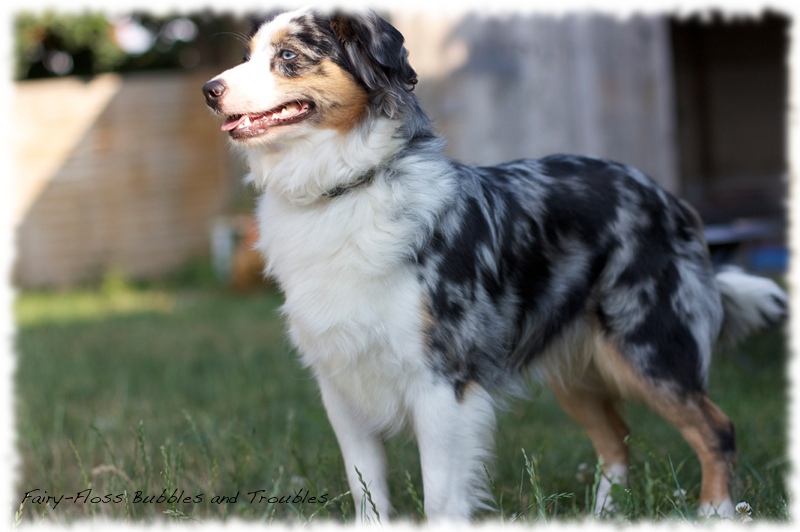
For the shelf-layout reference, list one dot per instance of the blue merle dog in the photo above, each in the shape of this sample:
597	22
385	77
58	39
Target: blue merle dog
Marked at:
420	291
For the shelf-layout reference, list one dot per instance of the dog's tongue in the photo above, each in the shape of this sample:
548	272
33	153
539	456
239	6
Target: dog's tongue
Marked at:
232	123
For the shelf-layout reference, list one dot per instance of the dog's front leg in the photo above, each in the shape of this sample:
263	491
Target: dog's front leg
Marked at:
454	432
364	453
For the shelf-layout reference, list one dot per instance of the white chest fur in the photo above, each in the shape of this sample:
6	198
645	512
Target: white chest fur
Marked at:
353	303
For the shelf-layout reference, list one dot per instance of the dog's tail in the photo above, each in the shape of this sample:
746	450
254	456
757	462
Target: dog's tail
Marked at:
749	302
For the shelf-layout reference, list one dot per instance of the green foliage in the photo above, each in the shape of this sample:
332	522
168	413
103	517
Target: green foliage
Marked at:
52	43
87	35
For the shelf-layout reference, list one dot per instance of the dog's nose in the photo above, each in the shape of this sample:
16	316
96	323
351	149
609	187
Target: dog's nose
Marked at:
213	91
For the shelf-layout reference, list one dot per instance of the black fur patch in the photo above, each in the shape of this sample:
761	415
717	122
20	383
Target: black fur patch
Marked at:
374	53
726	439
312	40
531	246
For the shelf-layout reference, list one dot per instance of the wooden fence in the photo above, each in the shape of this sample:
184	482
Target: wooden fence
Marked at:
531	85
128	172
114	173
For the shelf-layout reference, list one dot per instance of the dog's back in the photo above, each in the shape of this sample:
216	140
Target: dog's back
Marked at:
530	247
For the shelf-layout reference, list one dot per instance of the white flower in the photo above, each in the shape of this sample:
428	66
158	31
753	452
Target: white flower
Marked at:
743	509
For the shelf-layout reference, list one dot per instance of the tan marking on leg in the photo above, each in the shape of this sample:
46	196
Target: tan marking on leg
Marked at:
468	388
701	423
607	431
615	370
427	320
599	417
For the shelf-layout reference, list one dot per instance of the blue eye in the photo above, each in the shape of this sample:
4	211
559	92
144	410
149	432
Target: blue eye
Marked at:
287	55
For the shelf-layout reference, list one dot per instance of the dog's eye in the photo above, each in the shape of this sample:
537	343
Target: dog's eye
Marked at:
287	55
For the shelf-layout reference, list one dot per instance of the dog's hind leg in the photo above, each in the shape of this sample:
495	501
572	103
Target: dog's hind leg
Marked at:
597	413
454	430
710	434
701	423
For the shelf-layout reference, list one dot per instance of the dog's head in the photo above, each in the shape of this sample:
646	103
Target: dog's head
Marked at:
305	70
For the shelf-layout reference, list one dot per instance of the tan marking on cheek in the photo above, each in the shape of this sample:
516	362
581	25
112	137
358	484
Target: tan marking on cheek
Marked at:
349	99
341	101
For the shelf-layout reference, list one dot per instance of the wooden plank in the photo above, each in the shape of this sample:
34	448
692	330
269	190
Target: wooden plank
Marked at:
132	179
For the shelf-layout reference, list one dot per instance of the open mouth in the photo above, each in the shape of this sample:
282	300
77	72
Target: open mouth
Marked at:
256	124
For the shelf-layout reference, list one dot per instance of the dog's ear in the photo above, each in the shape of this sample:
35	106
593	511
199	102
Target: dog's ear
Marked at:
375	54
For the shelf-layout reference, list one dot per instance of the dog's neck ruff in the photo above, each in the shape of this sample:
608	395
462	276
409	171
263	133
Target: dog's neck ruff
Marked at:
365	179
338	164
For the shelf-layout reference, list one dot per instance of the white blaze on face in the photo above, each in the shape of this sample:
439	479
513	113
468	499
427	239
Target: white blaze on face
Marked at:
276	94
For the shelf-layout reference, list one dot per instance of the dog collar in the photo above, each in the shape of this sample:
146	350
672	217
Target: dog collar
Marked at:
342	189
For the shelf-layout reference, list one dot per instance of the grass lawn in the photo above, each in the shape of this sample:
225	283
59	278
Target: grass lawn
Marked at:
124	394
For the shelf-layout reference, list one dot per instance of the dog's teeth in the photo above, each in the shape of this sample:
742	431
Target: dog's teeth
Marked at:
246	122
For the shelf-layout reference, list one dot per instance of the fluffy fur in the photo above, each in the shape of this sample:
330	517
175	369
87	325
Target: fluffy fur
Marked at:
419	290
